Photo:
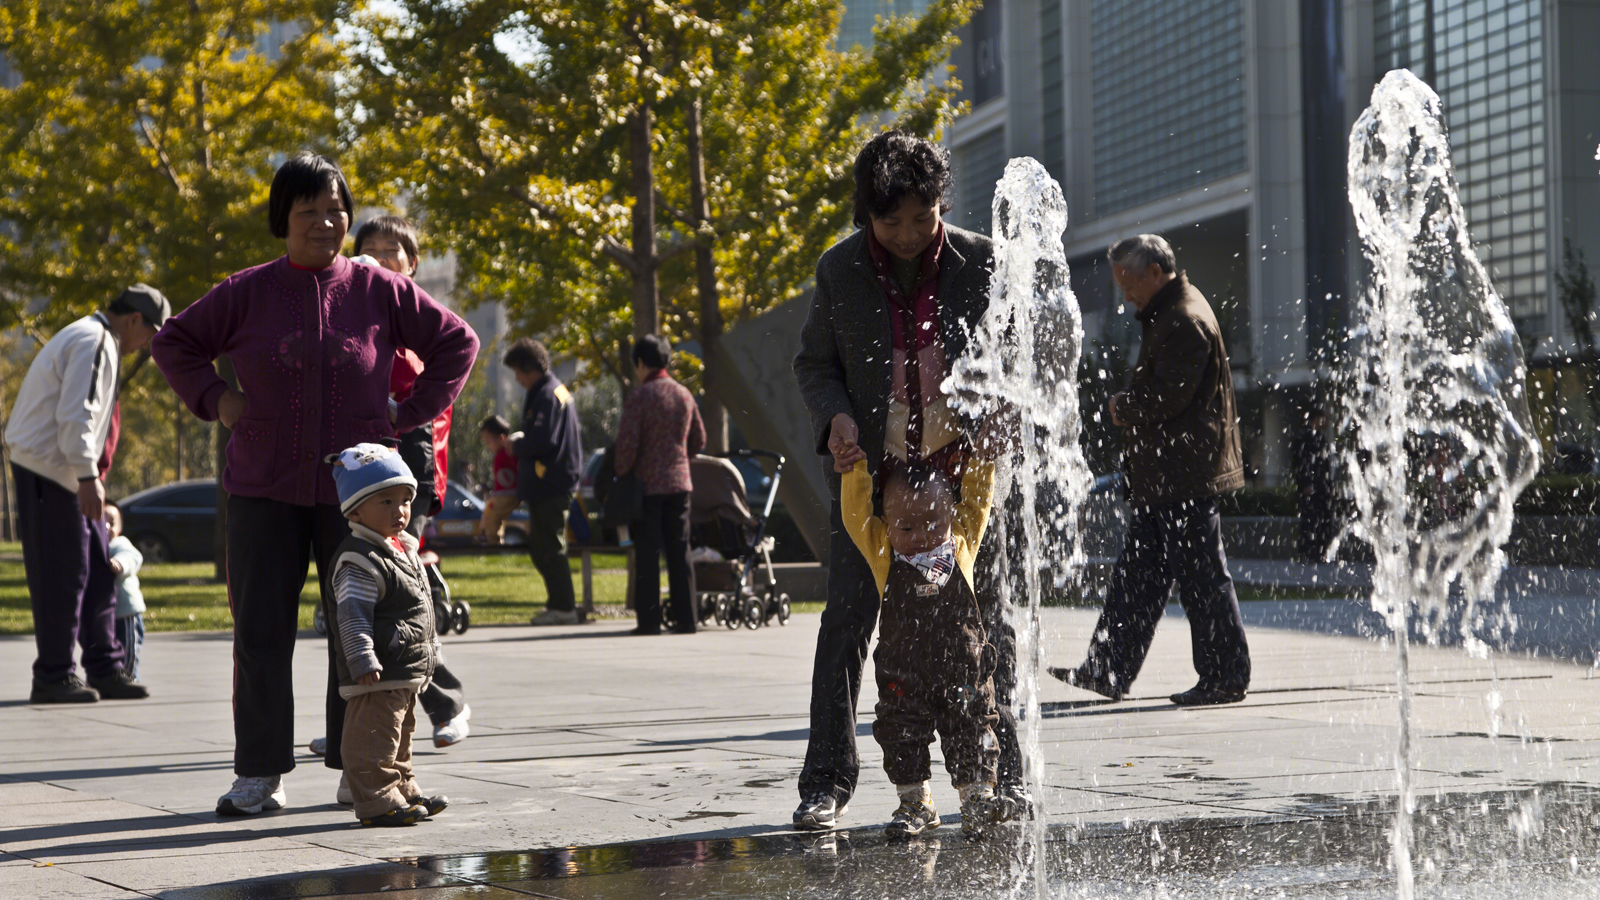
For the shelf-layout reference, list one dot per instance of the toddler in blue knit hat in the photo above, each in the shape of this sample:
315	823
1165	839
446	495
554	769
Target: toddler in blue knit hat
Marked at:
384	645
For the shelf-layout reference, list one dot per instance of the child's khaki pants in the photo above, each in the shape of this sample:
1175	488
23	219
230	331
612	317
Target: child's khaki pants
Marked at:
376	748
492	526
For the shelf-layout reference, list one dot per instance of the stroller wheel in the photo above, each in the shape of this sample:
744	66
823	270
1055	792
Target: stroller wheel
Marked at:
461	616
719	603
751	613
783	609
705	607
735	616
319	620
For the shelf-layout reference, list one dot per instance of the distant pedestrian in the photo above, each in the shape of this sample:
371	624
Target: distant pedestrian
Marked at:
1182	451
62	435
393	242
549	453
1313	481
312	337
659	430
495	432
385	646
126	560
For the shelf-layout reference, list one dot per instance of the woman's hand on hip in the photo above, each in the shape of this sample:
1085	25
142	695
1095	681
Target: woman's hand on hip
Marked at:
230	406
842	437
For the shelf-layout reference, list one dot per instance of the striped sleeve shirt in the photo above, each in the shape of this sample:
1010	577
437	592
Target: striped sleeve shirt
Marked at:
355	592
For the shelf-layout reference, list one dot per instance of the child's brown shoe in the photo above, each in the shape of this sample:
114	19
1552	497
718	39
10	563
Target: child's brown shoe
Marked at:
395	818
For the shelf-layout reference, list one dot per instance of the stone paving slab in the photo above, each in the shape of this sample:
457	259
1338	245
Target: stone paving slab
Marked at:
585	735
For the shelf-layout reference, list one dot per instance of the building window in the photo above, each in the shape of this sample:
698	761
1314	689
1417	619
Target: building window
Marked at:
1494	108
1169	97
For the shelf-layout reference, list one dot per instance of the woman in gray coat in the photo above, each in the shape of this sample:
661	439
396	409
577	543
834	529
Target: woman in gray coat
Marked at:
893	305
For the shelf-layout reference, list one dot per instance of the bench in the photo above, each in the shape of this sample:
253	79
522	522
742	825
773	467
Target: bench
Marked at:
585	552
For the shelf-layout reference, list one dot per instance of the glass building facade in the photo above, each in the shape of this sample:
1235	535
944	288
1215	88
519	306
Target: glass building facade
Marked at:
861	15
1485	59
1169	97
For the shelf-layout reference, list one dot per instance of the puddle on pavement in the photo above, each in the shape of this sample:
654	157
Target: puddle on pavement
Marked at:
1539	842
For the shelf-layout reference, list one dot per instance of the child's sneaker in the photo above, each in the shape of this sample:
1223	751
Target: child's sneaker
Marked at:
250	795
454	731
430	805
914	816
397	817
979	809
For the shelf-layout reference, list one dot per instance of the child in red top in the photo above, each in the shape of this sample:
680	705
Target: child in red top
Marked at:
502	500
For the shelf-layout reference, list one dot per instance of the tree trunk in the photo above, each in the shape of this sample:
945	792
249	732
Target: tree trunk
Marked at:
646	297
705	269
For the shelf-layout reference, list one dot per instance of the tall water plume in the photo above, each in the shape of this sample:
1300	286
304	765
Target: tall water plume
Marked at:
1437	436
1023	361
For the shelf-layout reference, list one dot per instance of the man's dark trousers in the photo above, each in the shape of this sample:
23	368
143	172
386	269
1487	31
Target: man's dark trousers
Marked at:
547	547
1178	543
663	530
69	580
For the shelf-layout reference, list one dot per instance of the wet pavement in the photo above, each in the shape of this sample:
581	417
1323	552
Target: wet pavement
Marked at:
607	765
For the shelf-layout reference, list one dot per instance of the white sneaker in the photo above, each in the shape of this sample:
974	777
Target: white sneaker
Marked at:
343	796
319	746
556	617
455	730
251	795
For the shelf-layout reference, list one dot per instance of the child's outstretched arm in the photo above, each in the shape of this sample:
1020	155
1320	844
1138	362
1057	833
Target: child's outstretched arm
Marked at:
868	532
977	496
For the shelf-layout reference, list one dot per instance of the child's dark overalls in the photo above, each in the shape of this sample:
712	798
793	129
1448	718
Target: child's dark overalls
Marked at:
935	672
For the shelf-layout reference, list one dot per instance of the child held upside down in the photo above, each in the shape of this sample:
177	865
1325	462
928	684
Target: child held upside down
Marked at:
934	666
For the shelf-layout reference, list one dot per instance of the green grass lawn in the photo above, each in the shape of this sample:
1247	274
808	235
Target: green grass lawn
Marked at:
502	588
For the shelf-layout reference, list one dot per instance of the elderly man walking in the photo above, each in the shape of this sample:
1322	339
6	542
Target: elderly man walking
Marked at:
1182	451
62	432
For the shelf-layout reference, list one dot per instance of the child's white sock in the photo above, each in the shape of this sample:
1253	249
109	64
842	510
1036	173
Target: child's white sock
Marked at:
921	791
975	789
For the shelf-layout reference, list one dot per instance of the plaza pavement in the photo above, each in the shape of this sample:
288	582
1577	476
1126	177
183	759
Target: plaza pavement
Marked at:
586	735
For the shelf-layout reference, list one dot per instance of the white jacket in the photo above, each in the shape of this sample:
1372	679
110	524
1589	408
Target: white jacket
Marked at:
62	415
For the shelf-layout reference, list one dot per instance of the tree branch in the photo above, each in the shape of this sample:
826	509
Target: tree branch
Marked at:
161	155
619	252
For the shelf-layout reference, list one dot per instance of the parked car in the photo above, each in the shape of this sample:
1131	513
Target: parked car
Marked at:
172	522
176	522
456	522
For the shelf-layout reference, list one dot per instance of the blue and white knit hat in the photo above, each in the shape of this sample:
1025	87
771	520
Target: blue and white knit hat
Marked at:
364	470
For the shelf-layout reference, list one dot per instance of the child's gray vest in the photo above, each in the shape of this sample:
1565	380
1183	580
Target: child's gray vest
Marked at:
402	623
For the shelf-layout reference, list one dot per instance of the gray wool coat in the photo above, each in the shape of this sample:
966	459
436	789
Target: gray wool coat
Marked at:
845	346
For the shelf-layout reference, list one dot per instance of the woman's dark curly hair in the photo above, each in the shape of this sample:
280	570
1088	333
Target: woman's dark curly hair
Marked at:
897	163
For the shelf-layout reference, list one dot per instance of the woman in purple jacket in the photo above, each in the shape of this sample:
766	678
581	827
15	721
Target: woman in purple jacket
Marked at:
311	336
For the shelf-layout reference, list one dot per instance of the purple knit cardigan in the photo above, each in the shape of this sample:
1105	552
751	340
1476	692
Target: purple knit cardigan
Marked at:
312	351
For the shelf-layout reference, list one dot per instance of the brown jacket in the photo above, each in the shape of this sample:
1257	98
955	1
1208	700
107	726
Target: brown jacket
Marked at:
1183	439
845	347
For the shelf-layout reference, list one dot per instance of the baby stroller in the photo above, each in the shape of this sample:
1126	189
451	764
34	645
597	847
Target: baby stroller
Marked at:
726	539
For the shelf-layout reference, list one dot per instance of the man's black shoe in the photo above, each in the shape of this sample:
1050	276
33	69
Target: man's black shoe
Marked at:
1090	680
70	689
1208	695
119	685
818	812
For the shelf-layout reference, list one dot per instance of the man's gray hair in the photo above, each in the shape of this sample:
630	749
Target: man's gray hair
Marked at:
1138	253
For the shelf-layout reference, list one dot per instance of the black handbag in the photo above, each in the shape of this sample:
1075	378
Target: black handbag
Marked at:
624	503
